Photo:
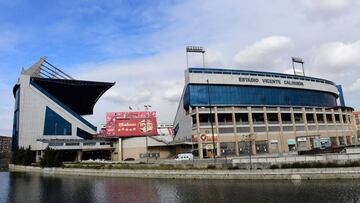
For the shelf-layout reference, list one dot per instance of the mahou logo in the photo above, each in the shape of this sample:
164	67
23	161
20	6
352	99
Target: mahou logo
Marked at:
143	128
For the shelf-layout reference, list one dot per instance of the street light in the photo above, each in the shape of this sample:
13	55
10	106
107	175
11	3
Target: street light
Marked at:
211	121
147	106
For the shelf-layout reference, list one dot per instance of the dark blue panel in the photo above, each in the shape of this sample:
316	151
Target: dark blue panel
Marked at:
341	95
15	133
55	124
231	95
63	105
83	134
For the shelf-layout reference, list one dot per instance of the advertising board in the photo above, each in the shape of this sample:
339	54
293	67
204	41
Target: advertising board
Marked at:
129	124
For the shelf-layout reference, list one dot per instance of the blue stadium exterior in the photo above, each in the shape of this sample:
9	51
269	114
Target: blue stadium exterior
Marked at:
284	112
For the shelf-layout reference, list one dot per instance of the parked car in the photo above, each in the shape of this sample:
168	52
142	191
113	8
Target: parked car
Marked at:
184	156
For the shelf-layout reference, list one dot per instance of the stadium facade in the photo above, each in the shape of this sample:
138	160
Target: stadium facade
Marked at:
49	105
238	111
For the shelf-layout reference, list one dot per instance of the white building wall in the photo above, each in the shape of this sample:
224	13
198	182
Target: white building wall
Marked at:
32	115
227	79
183	120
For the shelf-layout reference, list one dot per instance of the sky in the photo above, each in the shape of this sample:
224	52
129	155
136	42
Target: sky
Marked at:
140	45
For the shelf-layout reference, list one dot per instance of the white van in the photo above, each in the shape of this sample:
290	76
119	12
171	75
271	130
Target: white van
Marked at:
184	156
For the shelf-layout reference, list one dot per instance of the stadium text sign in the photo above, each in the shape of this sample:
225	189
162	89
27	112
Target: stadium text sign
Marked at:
270	81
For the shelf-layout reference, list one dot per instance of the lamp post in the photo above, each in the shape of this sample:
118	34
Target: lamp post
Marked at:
147	106
211	121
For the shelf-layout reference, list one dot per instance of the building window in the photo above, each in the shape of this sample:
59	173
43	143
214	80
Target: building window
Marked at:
274	128
243	129
329	118
320	118
225	119
272	118
298	118
286	118
83	134
242	118
337	118
310	118
205	119
228	148
226	130
261	147
55	124
244	147
258	118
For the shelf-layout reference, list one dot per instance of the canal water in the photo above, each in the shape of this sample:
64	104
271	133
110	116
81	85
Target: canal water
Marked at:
25	187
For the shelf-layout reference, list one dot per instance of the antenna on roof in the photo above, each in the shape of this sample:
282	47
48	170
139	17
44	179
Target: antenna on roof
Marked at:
298	60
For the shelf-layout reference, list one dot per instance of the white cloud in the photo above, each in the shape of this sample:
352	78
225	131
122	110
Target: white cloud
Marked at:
337	56
269	52
156	80
355	87
326	8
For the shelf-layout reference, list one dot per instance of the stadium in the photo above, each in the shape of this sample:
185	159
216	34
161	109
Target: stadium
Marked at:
237	112
49	109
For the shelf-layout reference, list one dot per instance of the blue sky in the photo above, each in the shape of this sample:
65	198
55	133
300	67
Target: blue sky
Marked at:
140	44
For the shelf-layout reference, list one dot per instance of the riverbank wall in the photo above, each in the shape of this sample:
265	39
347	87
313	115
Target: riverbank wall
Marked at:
276	174
4	163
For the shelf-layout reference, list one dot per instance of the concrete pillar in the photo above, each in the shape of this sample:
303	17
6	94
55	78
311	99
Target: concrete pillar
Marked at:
79	155
253	147
216	132
337	141
305	120
281	136
235	131
266	128
199	142
120	151
251	124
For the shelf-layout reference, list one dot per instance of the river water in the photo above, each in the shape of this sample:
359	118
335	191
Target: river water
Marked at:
26	187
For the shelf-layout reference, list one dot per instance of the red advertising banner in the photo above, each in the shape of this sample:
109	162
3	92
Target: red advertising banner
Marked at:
129	124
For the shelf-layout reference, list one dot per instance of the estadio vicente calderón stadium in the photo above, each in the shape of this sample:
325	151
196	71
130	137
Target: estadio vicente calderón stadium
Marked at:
235	112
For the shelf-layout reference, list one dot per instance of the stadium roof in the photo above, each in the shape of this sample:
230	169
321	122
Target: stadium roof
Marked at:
78	95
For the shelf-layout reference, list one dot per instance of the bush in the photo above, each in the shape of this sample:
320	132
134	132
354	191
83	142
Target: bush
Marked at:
274	166
211	167
23	156
51	158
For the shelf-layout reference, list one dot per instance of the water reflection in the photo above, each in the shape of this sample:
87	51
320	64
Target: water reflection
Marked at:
22	187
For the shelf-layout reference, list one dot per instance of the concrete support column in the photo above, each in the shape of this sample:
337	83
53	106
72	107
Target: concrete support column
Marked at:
305	120
235	131
79	155
293	119
281	136
316	120
216	131
199	142
325	120
337	141
120	151
266	128
251	124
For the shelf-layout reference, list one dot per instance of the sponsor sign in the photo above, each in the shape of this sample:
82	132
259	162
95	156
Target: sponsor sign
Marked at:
204	137
128	124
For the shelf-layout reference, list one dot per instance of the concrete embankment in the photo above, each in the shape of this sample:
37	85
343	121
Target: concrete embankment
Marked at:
4	163
277	174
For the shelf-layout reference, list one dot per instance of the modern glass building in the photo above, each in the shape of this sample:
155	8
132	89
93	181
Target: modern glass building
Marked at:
49	105
260	112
